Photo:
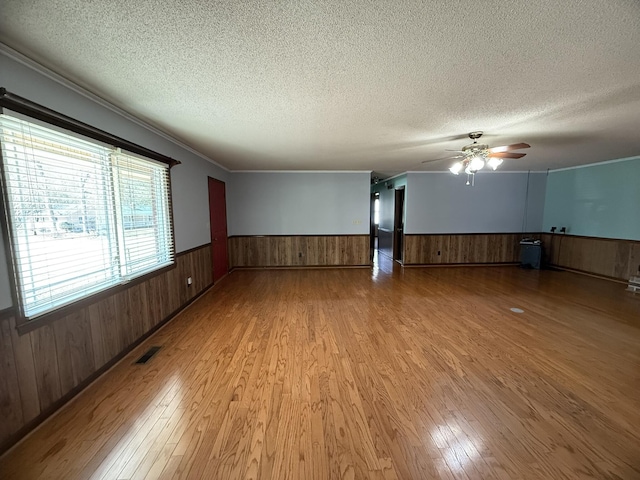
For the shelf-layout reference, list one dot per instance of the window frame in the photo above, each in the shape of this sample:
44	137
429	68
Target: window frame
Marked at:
15	103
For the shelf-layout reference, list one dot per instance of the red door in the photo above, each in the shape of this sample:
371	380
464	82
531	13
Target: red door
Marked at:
218	221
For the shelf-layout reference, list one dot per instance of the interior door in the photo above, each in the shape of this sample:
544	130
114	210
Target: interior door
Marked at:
218	222
398	224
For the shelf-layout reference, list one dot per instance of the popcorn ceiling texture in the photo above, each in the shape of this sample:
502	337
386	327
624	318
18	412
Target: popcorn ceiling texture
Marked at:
353	85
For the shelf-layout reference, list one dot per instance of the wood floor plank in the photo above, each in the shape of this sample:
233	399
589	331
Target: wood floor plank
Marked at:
384	374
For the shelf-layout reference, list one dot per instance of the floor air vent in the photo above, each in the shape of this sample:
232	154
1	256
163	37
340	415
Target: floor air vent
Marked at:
147	356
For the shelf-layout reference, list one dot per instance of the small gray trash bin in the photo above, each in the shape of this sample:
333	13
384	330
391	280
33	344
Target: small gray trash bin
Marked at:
531	254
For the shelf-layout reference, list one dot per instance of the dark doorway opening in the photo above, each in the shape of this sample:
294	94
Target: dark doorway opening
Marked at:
398	225
374	224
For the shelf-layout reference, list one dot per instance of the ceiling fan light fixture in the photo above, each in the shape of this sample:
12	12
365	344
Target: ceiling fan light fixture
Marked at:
494	163
476	163
477	156
456	168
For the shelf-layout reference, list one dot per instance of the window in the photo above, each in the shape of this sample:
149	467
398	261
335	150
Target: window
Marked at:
83	216
376	210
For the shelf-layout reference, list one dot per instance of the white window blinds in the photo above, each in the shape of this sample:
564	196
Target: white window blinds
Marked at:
83	216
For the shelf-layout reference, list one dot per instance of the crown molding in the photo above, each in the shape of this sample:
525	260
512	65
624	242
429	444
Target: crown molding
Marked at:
617	160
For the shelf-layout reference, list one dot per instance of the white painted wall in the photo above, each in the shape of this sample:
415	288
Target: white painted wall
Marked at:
298	203
498	203
188	180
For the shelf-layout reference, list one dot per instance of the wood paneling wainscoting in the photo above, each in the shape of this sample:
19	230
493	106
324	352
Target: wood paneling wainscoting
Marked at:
298	250
436	249
613	258
42	369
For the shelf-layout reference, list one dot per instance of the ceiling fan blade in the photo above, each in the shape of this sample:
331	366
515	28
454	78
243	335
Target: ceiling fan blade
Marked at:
506	155
506	148
459	151
443	158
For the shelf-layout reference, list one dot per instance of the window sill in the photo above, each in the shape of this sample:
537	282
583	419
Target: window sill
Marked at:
25	325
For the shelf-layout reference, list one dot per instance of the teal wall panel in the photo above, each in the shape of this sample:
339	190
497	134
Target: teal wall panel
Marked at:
601	200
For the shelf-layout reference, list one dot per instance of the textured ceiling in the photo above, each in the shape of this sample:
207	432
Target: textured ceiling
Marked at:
354	85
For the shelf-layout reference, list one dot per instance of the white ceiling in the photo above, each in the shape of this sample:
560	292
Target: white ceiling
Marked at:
354	85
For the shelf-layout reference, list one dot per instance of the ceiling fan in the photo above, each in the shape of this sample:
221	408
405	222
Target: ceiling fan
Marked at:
476	155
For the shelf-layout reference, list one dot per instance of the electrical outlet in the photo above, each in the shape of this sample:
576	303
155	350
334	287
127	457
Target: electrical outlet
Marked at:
189	281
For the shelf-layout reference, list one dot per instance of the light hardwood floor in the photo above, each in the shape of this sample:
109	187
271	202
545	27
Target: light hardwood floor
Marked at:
392	373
